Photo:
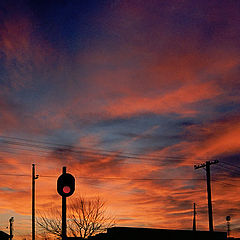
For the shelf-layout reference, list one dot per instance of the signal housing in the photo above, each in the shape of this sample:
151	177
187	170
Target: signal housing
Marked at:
66	185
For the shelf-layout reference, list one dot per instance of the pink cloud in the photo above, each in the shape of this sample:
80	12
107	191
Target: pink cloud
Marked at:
177	101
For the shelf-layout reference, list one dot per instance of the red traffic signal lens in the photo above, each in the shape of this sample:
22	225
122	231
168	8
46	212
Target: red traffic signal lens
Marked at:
66	189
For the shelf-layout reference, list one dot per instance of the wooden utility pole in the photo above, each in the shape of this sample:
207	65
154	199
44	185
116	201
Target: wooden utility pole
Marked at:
34	177
207	168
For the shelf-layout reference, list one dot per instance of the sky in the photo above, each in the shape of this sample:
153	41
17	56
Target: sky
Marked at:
129	95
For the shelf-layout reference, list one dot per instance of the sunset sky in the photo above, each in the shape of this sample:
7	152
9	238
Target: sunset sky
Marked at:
127	94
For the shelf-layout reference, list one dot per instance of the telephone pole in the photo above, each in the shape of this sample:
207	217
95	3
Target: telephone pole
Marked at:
206	166
34	177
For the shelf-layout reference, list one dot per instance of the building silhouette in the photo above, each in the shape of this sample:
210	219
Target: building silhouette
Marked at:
128	233
4	236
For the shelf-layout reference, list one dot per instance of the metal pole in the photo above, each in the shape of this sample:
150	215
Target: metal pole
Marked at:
228	218
210	214
11	220
34	177
228	229
64	214
33	201
194	217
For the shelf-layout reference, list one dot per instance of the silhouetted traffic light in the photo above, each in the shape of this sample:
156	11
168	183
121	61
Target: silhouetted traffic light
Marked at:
66	185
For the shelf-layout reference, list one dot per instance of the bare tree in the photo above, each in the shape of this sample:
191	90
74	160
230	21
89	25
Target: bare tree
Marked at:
50	222
89	217
86	217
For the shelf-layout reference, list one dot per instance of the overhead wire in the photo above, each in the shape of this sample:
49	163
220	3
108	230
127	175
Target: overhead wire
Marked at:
106	178
85	158
230	164
91	154
229	169
70	147
115	178
90	151
223	180
48	152
48	149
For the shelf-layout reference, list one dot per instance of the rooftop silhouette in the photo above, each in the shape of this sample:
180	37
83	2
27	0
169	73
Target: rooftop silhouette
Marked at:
130	233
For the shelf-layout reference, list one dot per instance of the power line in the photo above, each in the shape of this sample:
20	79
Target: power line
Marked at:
106	178
14	175
230	164
90	154
118	178
226	183
30	145
70	147
89	151
87	158
229	169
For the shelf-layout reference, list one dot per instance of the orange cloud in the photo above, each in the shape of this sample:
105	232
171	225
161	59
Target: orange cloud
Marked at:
216	138
177	101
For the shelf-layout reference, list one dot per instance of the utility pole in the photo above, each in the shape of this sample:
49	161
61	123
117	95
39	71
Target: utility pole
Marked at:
11	220
206	166
34	177
194	216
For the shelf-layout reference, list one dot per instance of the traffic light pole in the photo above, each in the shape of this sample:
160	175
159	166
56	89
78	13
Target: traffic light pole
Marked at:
65	188
64	214
64	217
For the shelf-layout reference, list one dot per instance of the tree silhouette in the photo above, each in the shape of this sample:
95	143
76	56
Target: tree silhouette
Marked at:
86	217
